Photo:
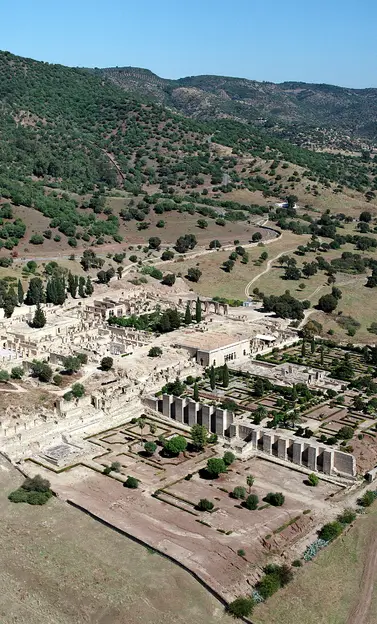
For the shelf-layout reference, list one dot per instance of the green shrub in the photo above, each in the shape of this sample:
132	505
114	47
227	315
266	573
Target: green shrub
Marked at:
229	458
330	531
241	552
17	372
215	466
205	505
150	447
239	492
131	482
347	516
313	479
18	496
251	502
297	563
241	607
275	498
367	499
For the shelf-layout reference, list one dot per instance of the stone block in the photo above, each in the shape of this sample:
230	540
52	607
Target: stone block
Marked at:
180	405
312	457
328	461
256	435
298	448
345	463
267	443
167	401
193	408
207	411
282	448
220	422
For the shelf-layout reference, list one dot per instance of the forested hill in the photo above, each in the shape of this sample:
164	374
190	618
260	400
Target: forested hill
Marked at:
77	130
352	111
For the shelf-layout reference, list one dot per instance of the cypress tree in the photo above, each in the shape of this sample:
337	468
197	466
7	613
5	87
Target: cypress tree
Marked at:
89	287
198	311
196	392
39	319
20	293
72	284
188	317
303	349
322	353
312	345
225	375
35	293
212	378
82	287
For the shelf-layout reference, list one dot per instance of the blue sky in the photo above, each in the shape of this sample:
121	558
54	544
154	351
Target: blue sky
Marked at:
330	41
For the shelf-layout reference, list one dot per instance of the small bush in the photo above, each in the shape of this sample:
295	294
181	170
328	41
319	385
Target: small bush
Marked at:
115	466
205	505
347	516
17	372
313	479
229	458
297	563
154	352
367	499
251	502
275	498
239	492
131	482
58	380
107	363
241	552
150	448
241	607
330	531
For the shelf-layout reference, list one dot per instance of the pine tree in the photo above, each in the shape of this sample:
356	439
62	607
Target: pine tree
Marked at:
20	293
196	392
225	375
82	287
212	378
188	317
198	311
89	287
39	319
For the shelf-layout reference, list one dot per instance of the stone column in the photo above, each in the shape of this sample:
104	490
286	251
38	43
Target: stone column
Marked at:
167	401
328	461
180	405
207	411
193	408
256	435
221	418
267	443
282	448
312	457
298	448
233	431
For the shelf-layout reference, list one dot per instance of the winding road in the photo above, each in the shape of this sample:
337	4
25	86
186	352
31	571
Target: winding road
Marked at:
266	270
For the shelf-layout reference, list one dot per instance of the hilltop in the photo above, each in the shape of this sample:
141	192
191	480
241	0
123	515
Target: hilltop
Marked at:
302	105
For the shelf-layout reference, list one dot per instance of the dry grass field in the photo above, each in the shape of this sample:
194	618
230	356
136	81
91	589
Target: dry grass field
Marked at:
338	587
58	566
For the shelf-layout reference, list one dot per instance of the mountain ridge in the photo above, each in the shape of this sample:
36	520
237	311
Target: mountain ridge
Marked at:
347	110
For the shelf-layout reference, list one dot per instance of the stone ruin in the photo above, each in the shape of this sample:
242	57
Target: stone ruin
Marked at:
247	439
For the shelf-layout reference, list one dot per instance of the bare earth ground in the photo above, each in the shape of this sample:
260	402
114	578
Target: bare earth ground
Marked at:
58	566
338	587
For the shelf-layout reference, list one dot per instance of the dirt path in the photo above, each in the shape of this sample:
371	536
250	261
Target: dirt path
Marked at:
266	270
359	613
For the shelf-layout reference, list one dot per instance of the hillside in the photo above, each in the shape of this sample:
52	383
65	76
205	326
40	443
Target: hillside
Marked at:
352	112
70	139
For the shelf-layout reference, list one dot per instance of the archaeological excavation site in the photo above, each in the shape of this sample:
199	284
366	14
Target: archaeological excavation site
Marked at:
219	436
